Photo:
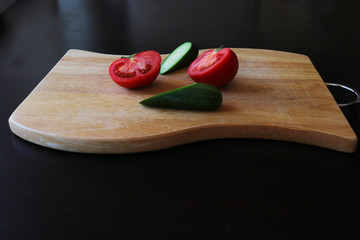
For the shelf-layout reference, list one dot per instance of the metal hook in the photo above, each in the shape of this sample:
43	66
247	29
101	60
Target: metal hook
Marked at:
354	91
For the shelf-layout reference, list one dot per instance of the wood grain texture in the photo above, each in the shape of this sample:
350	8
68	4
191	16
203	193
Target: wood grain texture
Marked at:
275	95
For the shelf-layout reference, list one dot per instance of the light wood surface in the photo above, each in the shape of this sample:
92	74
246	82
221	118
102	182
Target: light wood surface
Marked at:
275	95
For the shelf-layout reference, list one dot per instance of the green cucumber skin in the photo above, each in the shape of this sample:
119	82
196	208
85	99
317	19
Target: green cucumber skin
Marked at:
197	96
186	60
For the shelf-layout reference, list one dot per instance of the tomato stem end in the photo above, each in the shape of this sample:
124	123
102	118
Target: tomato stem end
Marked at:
218	49
131	56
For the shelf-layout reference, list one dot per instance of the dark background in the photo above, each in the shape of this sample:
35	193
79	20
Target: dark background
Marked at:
221	189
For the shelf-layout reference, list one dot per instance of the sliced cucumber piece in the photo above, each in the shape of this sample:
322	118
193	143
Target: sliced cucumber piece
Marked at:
182	56
197	96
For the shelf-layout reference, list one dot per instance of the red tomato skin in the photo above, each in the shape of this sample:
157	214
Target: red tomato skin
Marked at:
139	80
220	73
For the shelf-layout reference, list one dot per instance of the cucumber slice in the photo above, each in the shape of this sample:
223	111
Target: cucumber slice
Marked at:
182	56
197	96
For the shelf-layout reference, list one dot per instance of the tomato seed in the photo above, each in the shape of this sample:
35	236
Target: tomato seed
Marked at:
146	69
125	74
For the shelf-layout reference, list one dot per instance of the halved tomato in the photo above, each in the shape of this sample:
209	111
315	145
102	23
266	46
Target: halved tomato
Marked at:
138	70
216	67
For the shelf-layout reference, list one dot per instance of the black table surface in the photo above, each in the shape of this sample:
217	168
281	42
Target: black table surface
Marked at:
222	189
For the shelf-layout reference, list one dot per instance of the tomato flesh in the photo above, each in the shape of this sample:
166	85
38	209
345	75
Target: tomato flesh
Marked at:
139	70
216	67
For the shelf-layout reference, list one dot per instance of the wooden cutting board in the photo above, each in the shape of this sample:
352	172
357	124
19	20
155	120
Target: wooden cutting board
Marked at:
275	95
